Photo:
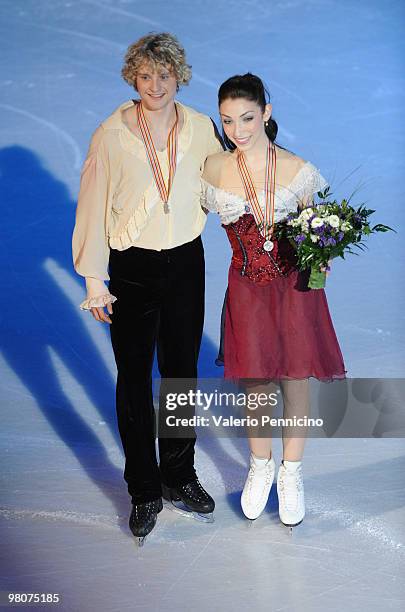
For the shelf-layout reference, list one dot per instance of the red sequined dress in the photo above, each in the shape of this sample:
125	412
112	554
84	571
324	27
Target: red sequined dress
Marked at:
274	326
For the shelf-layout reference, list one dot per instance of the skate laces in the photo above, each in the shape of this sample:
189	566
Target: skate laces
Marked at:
196	491
145	510
291	488
264	470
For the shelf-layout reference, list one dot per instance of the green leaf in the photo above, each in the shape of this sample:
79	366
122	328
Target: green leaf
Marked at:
382	228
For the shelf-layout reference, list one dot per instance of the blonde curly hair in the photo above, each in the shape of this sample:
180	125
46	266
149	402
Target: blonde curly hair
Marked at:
157	50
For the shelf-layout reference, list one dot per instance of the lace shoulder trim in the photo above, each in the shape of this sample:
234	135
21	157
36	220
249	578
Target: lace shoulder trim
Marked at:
228	205
306	182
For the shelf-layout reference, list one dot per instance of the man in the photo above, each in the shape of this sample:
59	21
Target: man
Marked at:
138	224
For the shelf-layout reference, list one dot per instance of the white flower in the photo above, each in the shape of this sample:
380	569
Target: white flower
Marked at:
314	238
294	222
316	222
306	213
333	220
346	226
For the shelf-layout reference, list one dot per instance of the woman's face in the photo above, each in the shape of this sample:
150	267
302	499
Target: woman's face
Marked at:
156	87
243	121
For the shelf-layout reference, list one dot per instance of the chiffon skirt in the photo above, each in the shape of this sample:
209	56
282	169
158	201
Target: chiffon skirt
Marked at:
281	330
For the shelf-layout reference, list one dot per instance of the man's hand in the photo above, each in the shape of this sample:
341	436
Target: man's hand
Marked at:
101	315
96	288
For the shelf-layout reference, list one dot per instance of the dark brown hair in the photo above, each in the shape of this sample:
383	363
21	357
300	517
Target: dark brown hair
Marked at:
250	87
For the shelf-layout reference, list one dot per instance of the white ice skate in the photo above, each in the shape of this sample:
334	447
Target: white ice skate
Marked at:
257	486
290	491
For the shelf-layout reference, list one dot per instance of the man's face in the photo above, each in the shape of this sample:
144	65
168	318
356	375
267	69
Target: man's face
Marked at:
157	86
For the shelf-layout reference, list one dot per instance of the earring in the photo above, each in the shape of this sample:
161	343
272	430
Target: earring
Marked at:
266	123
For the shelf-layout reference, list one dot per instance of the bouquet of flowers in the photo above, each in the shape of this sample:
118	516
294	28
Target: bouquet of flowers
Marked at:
325	230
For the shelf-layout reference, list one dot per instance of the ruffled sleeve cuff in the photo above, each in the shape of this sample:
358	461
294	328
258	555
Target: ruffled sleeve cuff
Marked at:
98	301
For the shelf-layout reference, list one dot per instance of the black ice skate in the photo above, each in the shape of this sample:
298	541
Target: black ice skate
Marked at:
143	519
191	499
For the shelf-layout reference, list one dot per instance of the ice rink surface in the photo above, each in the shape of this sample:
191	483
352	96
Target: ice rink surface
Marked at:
335	71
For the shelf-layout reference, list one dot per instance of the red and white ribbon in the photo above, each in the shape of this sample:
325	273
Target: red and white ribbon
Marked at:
153	159
264	220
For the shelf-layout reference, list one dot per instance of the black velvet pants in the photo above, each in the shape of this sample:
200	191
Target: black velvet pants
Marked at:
160	304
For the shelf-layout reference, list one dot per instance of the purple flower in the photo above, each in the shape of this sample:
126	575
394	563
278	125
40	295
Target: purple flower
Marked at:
319	230
299	239
339	237
356	221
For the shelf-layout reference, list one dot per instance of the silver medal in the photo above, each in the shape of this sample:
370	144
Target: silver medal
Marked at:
268	245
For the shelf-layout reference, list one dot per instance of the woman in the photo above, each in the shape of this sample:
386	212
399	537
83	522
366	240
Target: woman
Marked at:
276	329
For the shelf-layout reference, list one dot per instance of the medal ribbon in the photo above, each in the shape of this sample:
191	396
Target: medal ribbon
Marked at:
152	155
263	220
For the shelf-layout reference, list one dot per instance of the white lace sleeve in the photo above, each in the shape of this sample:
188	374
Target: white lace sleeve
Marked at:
308	182
208	197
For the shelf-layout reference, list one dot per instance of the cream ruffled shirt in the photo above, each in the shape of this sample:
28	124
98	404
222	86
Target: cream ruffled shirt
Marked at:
119	205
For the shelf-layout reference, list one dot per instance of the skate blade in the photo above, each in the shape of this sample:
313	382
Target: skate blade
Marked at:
291	527
207	517
180	508
140	541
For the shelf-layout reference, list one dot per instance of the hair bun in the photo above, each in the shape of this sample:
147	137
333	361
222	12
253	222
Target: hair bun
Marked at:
271	129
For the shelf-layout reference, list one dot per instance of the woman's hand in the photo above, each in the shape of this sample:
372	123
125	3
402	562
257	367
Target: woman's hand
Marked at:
326	269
